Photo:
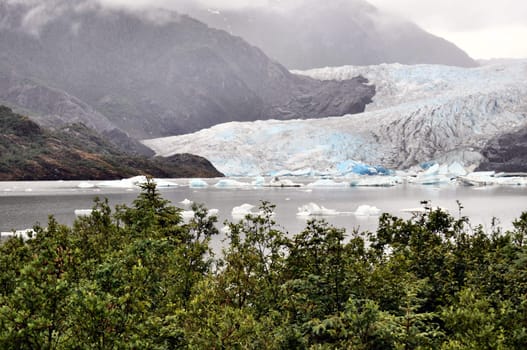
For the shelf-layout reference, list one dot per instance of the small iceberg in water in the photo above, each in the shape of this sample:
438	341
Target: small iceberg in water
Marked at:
375	181
24	234
186	202
367	210
313	209
241	211
326	183
228	183
85	185
83	212
197	183
277	182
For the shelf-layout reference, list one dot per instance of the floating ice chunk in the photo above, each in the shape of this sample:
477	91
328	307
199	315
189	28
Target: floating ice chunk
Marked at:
24	234
242	210
197	183
83	212
367	210
420	210
363	169
479	178
258	181
186	202
228	183
484	178
414	210
225	230
512	181
28	190
187	215
277	182
327	183
443	169
432	170
430	179
376	181
456	169
313	209
85	185
124	183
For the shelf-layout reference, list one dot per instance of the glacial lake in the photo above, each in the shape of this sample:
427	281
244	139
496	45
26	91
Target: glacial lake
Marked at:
22	204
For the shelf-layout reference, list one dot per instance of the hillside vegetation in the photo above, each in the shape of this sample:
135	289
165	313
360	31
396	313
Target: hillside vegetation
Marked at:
138	277
29	152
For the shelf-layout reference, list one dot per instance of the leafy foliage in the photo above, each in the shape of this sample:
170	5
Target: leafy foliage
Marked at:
140	277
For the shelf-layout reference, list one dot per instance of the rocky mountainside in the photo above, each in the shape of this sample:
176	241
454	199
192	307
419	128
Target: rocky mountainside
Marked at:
313	33
507	152
420	113
54	108
156	73
30	152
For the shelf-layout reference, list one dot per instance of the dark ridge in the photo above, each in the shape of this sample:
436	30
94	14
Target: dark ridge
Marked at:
76	152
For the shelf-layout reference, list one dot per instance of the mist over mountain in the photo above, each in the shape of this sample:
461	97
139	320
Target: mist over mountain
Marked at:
312	33
155	72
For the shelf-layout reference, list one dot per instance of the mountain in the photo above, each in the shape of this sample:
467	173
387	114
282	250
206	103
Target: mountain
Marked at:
156	73
312	33
420	113
30	152
54	108
507	152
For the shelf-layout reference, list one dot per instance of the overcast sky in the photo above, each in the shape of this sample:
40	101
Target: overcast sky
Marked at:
483	28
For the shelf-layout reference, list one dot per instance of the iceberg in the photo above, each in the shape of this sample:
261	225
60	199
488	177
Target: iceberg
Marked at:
277	182
420	210
186	202
229	183
486	178
375	181
325	183
187	215
434	175
124	184
456	169
416	210
24	234
258	181
82	212
197	183
367	210
479	178
241	211
131	183
433	179
213	212
313	209
85	185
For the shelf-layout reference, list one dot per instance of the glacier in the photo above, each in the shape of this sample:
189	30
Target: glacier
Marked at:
420	113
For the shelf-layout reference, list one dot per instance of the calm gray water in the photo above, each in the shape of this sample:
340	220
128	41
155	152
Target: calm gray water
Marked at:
22	204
